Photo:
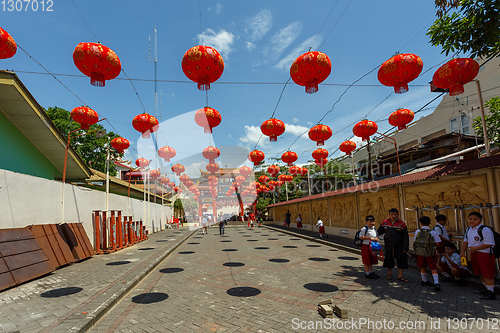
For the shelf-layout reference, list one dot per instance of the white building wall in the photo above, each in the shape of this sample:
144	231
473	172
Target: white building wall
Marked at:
27	200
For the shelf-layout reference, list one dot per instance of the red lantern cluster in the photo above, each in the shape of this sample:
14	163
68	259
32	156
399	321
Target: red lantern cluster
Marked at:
85	116
273	128
310	69
399	70
203	65
289	157
263	179
8	46
145	123
320	154
97	61
178	169
212	168
454	74
364	129
211	153
207	118
256	156
347	147
401	118
294	170
142	163
320	133
120	144
166	153
285	178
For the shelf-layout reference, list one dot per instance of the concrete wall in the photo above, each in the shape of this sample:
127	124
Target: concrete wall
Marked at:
30	200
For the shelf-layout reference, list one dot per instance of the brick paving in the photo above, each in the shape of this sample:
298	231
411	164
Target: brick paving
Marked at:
261	280
264	280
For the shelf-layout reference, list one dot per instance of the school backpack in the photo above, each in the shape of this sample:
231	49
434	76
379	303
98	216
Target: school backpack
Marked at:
424	245
496	248
357	240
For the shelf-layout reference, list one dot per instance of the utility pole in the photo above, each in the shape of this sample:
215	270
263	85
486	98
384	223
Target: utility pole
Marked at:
483	120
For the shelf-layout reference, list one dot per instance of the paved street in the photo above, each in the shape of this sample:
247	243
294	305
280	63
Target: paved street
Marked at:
263	280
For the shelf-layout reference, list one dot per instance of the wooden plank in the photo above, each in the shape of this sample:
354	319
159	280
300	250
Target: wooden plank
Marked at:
52	243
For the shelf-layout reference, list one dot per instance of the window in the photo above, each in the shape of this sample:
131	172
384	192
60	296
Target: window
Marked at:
460	124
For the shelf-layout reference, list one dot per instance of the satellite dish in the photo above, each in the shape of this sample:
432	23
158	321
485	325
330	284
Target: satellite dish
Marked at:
100	133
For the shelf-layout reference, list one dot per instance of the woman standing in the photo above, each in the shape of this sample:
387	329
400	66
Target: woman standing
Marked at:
299	222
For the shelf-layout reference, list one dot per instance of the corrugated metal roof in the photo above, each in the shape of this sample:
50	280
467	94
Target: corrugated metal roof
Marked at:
427	173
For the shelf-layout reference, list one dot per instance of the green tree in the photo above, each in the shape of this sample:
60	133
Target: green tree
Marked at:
492	121
93	150
467	26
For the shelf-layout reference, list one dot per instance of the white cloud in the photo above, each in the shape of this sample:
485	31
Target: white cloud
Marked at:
309	123
221	41
296	129
282	39
218	7
250	46
259	25
295	119
312	42
252	135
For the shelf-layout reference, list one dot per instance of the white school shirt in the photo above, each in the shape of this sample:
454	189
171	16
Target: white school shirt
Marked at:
455	257
433	233
441	230
319	224
368	232
472	237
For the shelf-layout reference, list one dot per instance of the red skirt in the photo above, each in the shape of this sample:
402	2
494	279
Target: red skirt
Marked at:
299	225
322	230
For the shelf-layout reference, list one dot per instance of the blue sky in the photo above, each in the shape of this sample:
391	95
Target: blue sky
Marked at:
259	40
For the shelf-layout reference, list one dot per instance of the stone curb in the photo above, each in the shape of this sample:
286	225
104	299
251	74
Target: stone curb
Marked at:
90	320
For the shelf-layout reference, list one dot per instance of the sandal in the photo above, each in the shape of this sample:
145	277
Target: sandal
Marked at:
402	279
389	277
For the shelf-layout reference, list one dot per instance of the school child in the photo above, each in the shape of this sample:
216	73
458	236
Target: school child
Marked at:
321	228
450	265
440	229
368	234
424	244
479	240
299	222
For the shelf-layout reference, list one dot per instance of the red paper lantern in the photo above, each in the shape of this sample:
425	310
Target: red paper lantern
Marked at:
310	69
245	171
171	184
85	116
97	61
212	180
303	171
364	129
207	118
202	64
294	170
212	168
142	163
166	153
178	169
282	178
289	157
154	174
288	178
211	153
454	74
239	180
164	181
399	70
320	133
120	144
256	156
347	147
189	183
177	190
145	123
321	162
319	154
273	128
8	46
401	118
184	178
263	179
273	170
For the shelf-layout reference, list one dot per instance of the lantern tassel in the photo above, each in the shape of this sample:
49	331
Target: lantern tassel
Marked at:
456	89
401	88
320	143
207	130
273	138
97	80
145	135
311	89
84	127
203	86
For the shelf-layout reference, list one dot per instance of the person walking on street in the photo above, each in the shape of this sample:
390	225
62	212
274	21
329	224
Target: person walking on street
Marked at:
396	243
299	222
288	216
321	228
221	227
